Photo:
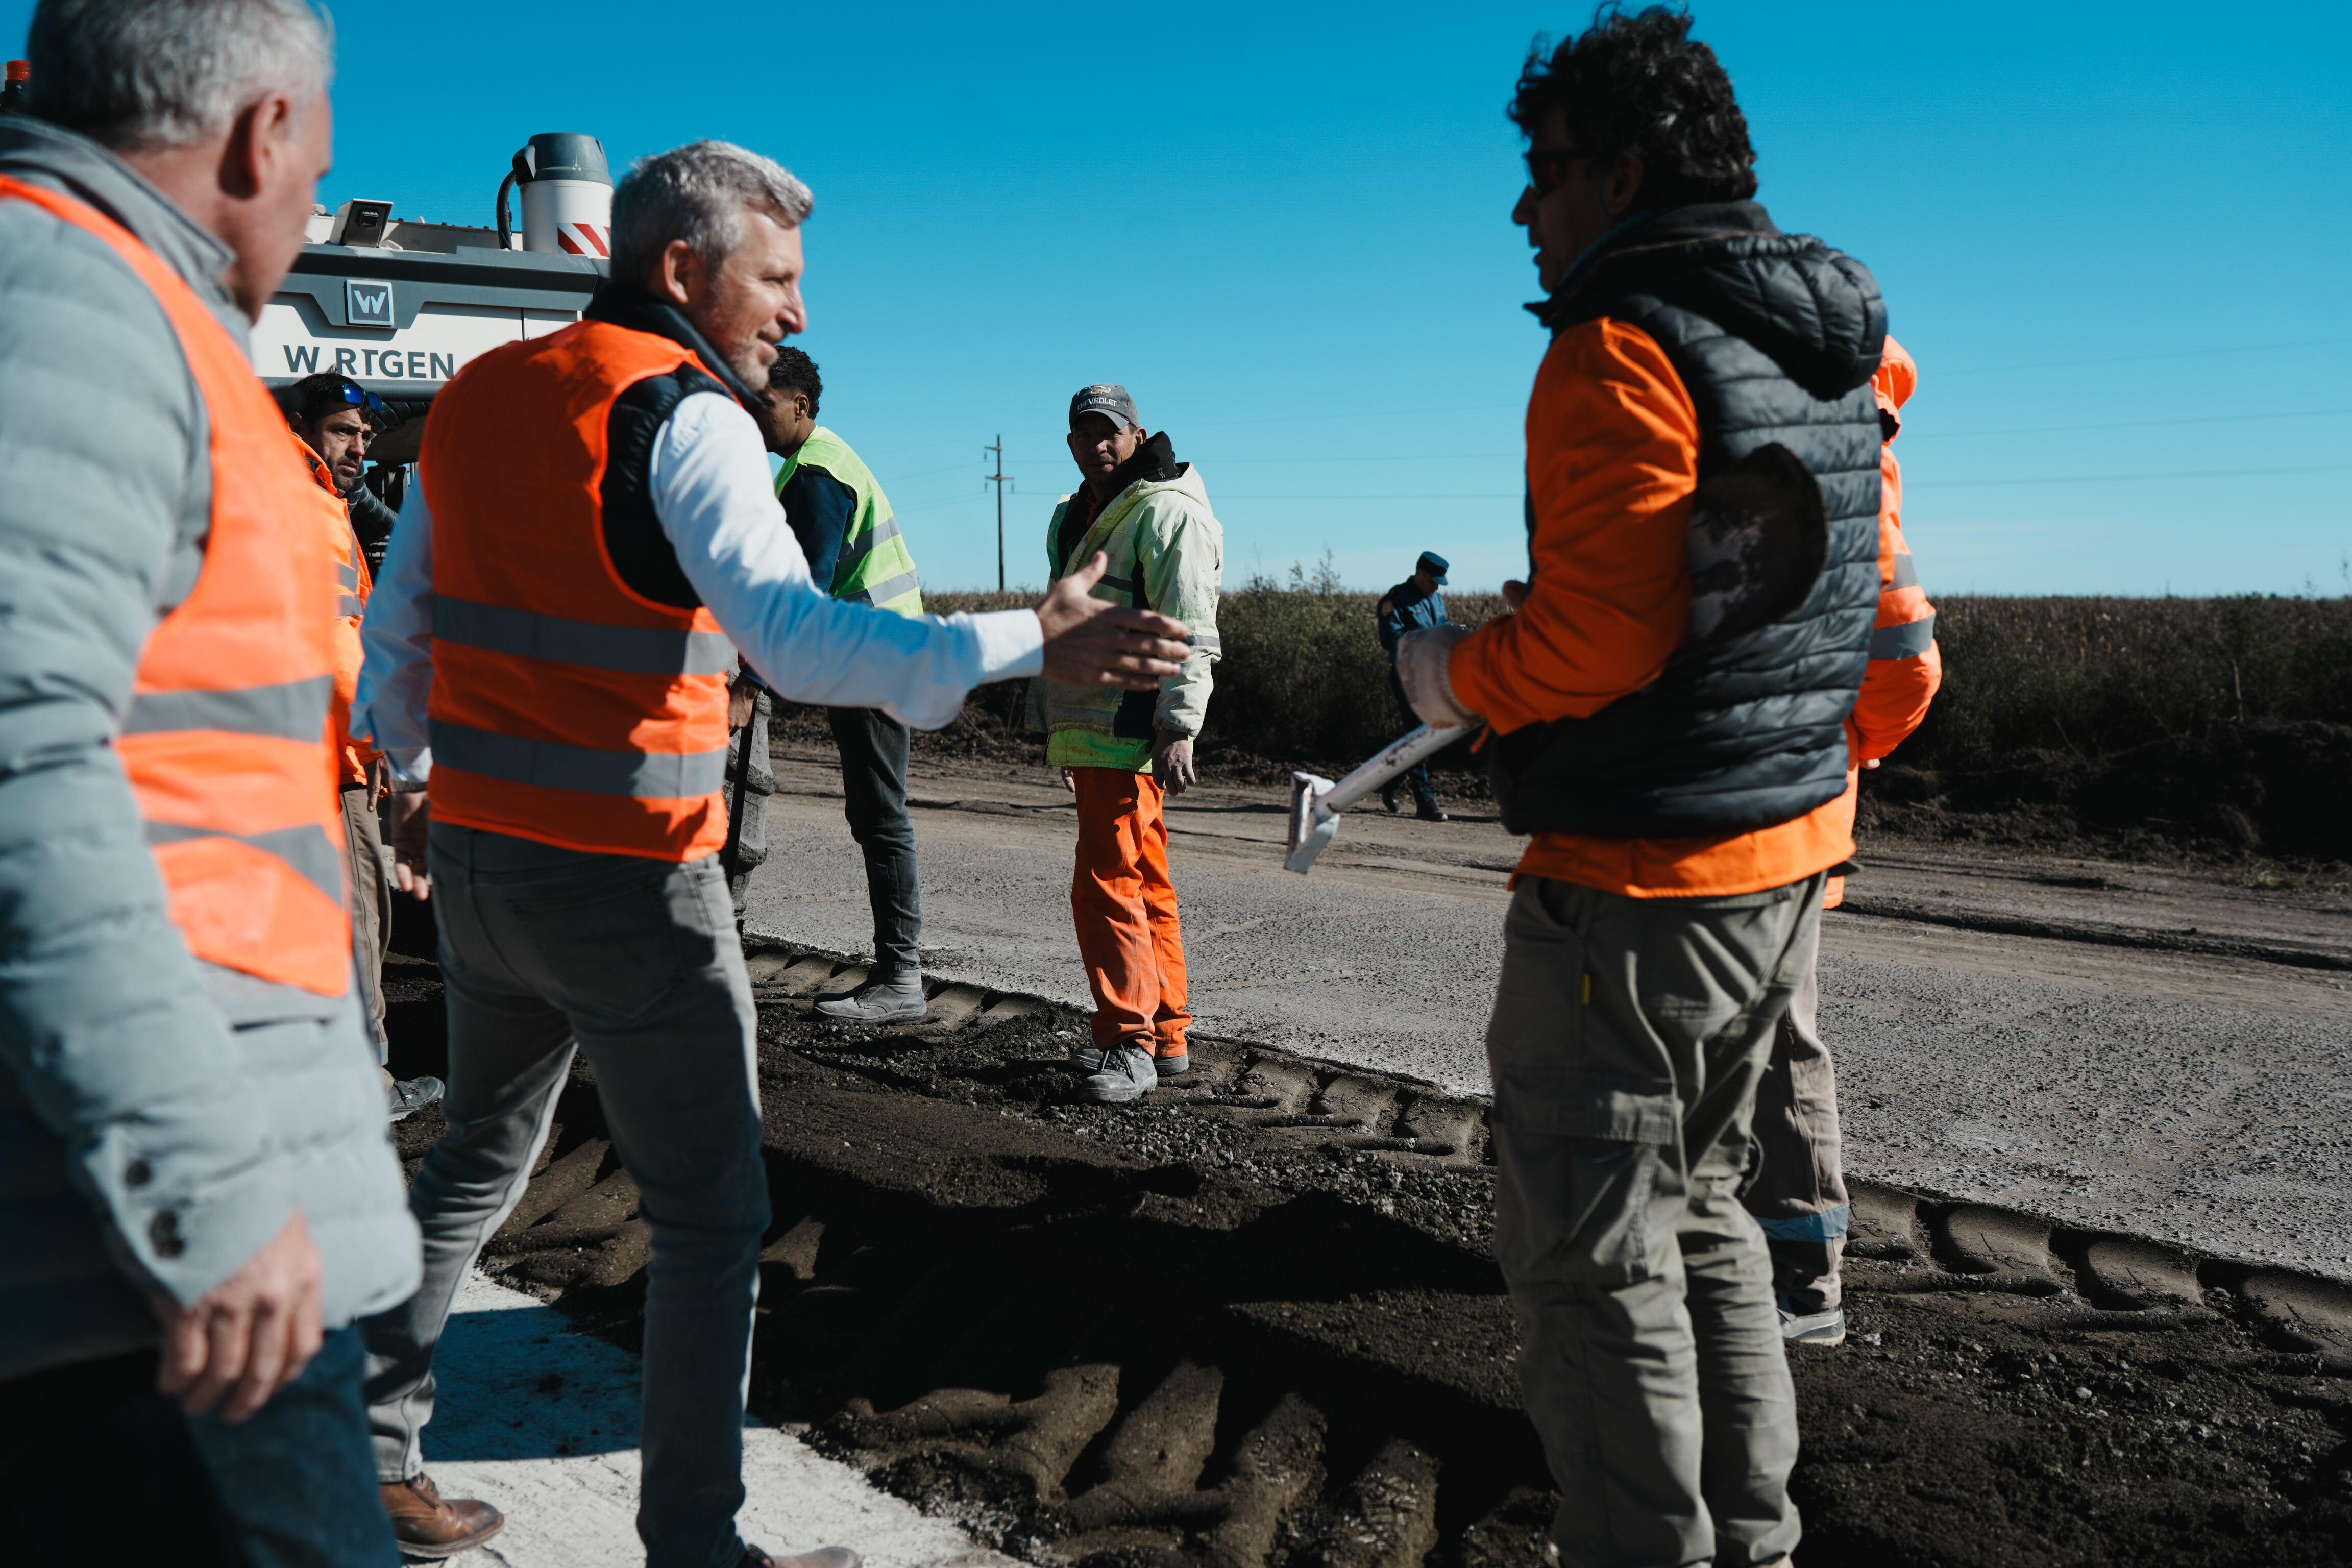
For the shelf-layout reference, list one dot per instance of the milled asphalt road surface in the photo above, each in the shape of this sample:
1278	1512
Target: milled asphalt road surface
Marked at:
2162	1053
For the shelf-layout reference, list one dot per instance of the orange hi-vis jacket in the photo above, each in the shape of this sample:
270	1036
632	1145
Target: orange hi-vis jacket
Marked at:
352	585
1612	459
1906	666
566	708
225	745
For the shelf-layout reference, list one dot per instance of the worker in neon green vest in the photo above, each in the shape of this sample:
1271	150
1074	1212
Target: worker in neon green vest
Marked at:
843	520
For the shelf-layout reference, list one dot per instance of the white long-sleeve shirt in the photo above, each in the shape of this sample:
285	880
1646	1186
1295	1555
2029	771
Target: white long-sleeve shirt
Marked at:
710	489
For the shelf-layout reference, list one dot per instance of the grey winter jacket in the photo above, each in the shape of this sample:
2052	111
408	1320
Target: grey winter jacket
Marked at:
158	1116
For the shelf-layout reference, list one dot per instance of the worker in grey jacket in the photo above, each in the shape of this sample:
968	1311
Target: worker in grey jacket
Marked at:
196	1197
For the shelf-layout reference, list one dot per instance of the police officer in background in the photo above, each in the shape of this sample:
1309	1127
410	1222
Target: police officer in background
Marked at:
838	513
1416	602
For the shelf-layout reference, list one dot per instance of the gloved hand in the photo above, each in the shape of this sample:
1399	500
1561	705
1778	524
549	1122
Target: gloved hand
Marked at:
1171	761
1422	659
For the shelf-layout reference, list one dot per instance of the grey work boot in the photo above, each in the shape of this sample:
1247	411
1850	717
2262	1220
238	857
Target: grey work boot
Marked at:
894	999
1087	1060
1127	1073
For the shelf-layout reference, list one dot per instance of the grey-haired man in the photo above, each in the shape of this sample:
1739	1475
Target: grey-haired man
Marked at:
198	1195
592	538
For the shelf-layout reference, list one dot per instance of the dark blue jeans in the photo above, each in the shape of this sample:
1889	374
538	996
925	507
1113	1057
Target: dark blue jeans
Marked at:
874	752
97	1469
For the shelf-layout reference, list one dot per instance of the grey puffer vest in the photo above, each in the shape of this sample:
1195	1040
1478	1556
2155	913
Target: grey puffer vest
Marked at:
1775	337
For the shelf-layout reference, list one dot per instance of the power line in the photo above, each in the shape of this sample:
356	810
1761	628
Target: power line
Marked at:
1908	485
2129	425
2142	359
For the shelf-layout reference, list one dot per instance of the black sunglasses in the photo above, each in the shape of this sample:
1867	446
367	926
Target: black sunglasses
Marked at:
1548	166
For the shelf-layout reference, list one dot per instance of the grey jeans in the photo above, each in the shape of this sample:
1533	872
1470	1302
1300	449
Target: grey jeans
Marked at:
1627	1041
636	963
1798	1195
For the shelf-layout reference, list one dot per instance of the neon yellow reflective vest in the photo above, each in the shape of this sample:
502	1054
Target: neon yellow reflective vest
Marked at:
832	499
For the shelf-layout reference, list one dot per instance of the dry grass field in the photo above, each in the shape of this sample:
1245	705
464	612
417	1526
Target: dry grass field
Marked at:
2222	725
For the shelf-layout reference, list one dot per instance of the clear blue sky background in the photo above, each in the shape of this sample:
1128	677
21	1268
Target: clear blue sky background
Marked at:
2117	237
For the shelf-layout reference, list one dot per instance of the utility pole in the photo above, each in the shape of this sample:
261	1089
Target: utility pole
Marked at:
1000	479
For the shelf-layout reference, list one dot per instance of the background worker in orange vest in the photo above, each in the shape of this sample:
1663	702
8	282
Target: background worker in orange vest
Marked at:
1799	1194
334	419
199	1195
591	537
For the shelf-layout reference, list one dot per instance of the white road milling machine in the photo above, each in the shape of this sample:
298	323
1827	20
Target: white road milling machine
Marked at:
398	305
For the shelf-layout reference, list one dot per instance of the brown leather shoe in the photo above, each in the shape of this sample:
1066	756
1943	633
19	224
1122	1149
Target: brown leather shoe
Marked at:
823	1557
427	1524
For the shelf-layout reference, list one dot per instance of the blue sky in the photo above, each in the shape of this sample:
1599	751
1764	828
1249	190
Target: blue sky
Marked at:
2115	236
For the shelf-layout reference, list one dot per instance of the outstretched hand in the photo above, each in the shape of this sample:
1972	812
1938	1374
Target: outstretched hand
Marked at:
1090	643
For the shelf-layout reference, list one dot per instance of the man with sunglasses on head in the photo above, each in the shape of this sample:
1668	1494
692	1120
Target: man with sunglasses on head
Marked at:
1678	749
332	410
334	419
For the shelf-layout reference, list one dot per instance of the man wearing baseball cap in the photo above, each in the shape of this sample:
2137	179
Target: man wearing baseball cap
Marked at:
1414	604
1122	752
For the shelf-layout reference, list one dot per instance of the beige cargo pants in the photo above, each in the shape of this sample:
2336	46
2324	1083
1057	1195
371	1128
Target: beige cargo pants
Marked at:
1628	1038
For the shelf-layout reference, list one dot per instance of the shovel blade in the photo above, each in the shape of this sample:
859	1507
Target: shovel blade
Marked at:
1311	828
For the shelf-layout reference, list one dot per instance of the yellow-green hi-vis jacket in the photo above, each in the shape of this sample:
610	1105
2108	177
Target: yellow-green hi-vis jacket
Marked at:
1167	554
836	497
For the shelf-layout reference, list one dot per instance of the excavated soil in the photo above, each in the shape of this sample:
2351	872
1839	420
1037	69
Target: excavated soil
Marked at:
1252	1320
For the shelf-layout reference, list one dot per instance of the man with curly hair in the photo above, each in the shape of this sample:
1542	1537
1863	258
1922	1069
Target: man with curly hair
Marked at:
1675	744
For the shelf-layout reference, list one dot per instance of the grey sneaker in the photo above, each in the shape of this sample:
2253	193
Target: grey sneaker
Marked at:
405	1099
1824	1329
897	1000
1087	1060
1127	1074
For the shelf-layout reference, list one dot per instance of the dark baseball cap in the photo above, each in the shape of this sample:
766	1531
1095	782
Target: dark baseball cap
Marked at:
1435	561
1111	402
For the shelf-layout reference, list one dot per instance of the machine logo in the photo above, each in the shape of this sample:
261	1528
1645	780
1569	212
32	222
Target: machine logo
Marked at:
367	302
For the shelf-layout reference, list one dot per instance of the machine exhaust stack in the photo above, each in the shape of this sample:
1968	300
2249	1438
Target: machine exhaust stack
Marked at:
567	196
1316	803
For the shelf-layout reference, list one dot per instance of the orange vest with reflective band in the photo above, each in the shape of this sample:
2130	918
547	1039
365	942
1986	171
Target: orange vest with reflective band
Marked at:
225	744
566	707
352	585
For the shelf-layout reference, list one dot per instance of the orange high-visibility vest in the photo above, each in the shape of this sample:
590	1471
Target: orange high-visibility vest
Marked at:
354	582
566	707
225	744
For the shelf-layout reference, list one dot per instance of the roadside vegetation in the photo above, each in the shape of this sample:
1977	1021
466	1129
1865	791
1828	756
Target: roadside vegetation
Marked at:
2217	726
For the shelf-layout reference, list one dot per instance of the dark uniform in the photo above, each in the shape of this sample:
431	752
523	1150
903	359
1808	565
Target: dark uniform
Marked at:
1405	608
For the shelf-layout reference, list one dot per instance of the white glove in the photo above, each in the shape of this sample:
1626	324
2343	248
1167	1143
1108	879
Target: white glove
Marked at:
1422	659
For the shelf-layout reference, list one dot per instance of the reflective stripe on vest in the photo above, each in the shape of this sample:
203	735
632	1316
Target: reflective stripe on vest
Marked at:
225	745
640	650
566	708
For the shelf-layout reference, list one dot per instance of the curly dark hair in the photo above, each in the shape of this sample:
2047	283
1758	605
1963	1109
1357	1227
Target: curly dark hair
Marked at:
795	372
1640	81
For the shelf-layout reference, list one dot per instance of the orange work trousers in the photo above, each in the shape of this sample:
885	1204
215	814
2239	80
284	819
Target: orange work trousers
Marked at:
1125	907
